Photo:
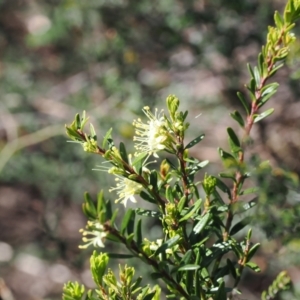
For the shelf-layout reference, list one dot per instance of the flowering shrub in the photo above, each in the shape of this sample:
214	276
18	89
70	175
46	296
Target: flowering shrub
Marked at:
199	255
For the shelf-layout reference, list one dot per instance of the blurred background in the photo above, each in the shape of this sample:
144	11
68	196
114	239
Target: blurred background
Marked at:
110	58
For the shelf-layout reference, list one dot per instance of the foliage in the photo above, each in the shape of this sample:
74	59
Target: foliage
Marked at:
199	245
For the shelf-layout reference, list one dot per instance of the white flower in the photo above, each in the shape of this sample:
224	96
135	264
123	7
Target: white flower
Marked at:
126	189
96	235
152	135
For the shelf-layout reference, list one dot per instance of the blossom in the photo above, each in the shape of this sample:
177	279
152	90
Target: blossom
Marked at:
96	235
152	136
126	189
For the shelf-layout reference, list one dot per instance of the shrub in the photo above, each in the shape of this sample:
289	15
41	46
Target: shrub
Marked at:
203	250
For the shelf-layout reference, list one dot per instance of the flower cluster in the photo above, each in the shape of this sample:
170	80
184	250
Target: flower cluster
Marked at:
96	234
126	190
152	136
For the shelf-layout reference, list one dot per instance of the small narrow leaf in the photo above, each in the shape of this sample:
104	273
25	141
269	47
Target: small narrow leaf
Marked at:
234	142
223	187
240	225
266	98
128	218
250	204
221	294
181	204
153	179
249	191
231	268
252	251
238	117
230	175
253	266
202	223
169	194
195	141
149	296
123	152
138	233
250	70
148	213
275	69
226	157
189	268
168	245
244	102
186	258
263	115
147	197
256	77
278	20
106	137
191	211
119	255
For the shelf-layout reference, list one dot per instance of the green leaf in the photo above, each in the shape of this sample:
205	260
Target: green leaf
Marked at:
250	204
252	251
88	206
120	255
252	87
231	268
238	117
167	245
195	141
189	268
253	266
186	258
128	222
123	152
193	168
153	179
269	88
138	233
77	121
93	132
138	162
226	157
171	164
230	175
218	197
278	20
100	201
149	296
234	142
147	213
263	115
147	197
114	216
244	102
223	187
240	225
191	211
265	97
275	69
256	77
181	204
106	137
221	294
249	191
74	135
169	194
202	223
260	64
250	70
108	210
